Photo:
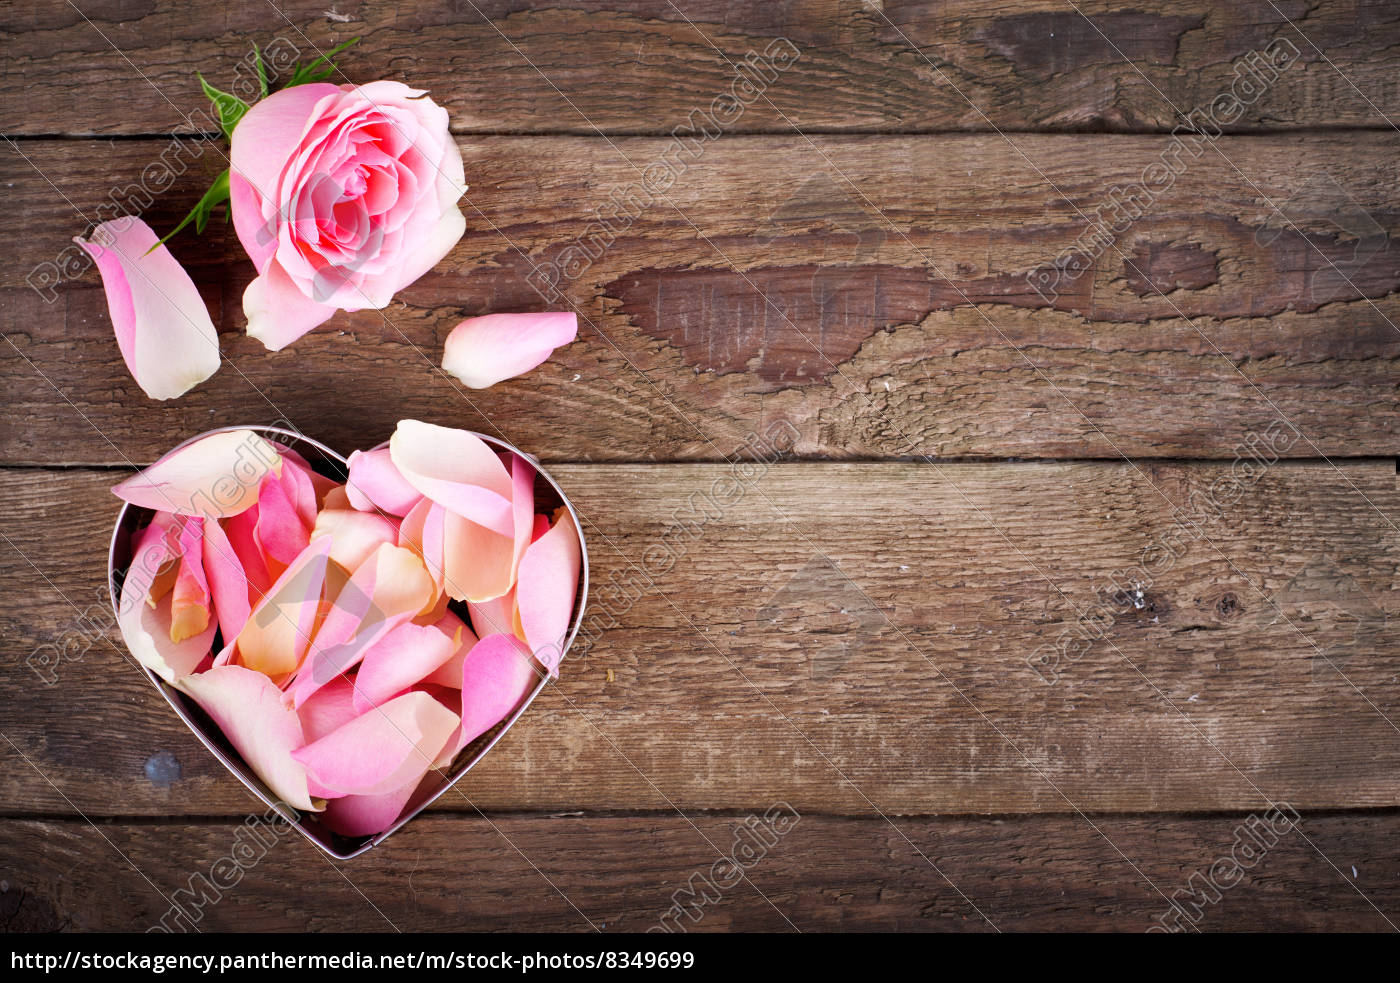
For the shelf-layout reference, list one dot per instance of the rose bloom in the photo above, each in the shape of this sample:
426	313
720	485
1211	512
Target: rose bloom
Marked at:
342	196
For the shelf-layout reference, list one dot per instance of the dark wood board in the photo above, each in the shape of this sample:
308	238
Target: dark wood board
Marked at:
871	291
643	67
623	874
875	624
931	627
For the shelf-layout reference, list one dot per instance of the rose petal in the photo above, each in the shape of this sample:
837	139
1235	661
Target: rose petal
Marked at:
354	535
249	710
496	675
482	351
278	311
304	488
389	588
280	534
145	623
404	656
381	750
252	229
274	123
228	581
546	589
429	250
422	532
214	477
449	674
190	603
366	815
375	484
522	477
163	328
496	616
476	561
281	626
541	527
241	530
330	707
457	470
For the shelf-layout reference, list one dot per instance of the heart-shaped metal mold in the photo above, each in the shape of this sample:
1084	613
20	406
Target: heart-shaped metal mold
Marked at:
327	462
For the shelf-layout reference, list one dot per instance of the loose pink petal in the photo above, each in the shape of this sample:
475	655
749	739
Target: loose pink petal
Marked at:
389	588
482	351
546	589
456	469
497	616
403	657
422	532
304	488
381	750
336	498
190	603
375	484
522	478
281	536
151	645
214	477
145	620
366	815
228	581
434	612
329	708
498	673
449	674
477	563
241	530
354	535
249	710
450	697
281	626
163	328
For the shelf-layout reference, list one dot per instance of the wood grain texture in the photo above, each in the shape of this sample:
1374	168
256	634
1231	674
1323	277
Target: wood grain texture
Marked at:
469	873
1067	680
869	290
642	67
847	638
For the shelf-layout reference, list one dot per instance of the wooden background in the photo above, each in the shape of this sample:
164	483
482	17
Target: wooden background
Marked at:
974	464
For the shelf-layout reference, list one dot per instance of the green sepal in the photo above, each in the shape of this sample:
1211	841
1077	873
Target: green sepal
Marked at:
312	72
262	71
217	194
229	107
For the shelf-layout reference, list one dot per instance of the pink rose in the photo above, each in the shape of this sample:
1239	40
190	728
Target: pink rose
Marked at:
342	196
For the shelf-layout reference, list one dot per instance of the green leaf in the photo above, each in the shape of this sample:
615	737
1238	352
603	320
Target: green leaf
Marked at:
229	107
217	194
313	72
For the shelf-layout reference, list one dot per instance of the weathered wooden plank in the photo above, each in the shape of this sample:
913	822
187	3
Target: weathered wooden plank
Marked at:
776	290
900	636
644	67
621	873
